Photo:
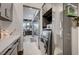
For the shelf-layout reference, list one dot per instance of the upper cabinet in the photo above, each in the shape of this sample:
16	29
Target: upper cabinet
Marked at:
46	7
6	10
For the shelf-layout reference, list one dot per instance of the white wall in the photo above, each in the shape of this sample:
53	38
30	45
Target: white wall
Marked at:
78	31
78	40
57	20
18	17
74	41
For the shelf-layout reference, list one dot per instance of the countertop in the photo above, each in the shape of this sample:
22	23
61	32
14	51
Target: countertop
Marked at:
4	43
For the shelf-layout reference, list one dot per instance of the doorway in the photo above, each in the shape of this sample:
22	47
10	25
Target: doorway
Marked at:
31	30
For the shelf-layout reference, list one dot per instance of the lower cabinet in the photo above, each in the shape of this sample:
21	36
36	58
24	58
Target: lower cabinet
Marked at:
12	49
14	52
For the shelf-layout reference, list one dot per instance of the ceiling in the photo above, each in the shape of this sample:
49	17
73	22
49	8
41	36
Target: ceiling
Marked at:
28	13
35	5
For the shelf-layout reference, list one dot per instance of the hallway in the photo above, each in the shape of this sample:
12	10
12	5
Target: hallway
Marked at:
39	29
30	48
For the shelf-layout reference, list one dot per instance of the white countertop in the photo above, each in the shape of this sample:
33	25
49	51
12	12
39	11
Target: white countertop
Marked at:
4	43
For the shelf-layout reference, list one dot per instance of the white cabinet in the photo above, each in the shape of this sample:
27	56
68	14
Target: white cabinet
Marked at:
6	11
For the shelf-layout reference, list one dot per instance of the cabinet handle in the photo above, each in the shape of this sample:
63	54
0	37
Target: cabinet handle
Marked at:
6	13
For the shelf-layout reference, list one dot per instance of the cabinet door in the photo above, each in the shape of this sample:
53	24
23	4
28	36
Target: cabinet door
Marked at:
3	6
6	10
14	52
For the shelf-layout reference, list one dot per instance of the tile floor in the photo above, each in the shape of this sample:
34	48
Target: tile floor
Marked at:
30	48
